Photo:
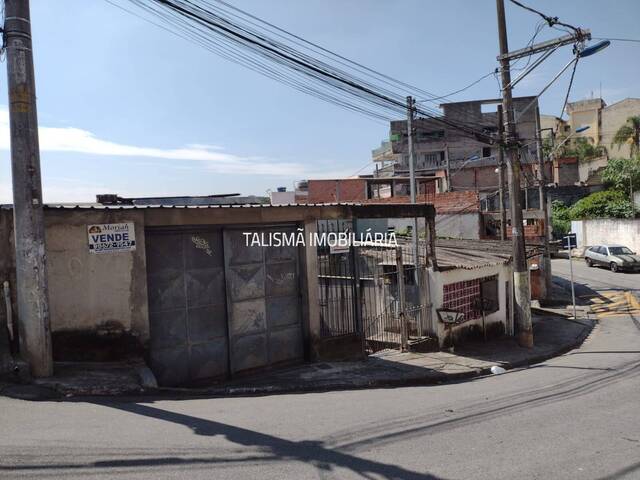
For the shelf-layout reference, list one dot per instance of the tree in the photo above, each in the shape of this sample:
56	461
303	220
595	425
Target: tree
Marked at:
585	150
582	149
604	204
629	133
622	174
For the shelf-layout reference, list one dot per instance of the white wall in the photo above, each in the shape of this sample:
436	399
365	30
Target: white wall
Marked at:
608	230
439	279
282	198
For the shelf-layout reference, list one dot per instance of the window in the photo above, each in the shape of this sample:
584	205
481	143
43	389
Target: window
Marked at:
620	251
423	136
489	294
486	152
431	159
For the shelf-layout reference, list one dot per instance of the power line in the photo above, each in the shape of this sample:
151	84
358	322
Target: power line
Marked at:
635	40
240	42
551	21
566	98
461	90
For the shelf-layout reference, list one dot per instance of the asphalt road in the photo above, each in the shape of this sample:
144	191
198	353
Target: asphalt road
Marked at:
597	278
573	417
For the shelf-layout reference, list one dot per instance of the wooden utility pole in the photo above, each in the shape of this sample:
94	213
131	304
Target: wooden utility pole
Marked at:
502	196
542	191
31	267
522	290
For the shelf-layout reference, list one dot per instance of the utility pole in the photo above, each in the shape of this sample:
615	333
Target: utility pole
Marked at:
28	217
522	291
502	196
542	192
412	189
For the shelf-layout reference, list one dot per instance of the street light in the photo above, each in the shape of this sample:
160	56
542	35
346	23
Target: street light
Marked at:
577	130
594	49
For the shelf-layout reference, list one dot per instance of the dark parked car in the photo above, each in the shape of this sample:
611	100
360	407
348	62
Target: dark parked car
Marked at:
615	257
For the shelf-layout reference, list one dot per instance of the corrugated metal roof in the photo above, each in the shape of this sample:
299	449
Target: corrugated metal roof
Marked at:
452	258
100	206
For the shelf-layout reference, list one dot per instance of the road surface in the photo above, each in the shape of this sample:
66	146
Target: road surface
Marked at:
573	417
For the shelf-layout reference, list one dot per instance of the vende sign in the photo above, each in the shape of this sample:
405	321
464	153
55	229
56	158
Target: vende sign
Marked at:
111	237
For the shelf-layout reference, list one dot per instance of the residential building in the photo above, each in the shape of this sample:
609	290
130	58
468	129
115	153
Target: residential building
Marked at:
586	113
464	162
613	117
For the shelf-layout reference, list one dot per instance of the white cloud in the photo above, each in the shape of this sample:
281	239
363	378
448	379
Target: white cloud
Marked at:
69	139
197	157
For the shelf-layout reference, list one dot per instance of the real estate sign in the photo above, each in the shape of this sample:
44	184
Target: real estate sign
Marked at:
111	237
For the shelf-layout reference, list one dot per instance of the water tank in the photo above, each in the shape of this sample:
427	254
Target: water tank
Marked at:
282	189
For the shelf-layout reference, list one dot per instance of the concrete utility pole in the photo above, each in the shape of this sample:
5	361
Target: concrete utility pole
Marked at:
412	180
502	196
542	191
31	267
522	291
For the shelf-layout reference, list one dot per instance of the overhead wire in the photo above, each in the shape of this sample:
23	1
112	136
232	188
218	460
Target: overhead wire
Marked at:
242	44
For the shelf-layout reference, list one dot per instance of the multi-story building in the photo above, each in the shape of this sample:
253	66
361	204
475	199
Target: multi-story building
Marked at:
613	117
603	121
465	162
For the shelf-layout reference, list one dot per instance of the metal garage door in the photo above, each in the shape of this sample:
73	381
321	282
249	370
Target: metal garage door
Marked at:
264	301
187	306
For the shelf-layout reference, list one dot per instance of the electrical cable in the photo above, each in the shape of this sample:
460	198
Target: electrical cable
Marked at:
550	20
244	45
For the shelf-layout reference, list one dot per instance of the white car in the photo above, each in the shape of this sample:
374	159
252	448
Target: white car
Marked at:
614	257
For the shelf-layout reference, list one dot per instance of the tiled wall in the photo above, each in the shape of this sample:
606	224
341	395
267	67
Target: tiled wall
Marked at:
460	296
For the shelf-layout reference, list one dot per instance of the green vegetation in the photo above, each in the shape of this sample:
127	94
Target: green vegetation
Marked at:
629	133
622	174
581	148
560	218
605	204
584	150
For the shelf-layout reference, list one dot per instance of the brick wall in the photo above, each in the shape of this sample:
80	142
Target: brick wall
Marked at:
343	190
446	202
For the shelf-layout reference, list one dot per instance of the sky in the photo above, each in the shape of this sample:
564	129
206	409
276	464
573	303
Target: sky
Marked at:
126	107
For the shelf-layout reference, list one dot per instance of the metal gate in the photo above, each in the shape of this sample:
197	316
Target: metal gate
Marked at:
394	296
361	292
263	295
187	306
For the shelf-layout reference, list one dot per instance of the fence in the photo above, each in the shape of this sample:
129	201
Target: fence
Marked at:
363	292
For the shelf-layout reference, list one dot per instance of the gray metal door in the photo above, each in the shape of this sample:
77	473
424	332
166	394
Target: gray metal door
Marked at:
187	306
263	295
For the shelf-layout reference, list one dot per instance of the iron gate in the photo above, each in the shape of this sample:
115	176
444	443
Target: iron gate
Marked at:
362	293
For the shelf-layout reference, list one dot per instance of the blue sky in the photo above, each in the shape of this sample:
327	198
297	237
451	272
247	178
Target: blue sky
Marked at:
127	108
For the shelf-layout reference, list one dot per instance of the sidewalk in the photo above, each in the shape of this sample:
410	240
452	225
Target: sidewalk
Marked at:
554	334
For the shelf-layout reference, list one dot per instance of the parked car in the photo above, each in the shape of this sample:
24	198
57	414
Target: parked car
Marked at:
615	257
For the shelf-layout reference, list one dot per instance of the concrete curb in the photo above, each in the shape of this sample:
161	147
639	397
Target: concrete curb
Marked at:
430	377
433	378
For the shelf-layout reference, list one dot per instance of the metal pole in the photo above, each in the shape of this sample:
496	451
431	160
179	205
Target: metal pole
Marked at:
503	209
542	192
448	167
28	216
522	296
404	334
573	292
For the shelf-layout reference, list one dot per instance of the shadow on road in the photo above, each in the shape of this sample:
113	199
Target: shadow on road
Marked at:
278	449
